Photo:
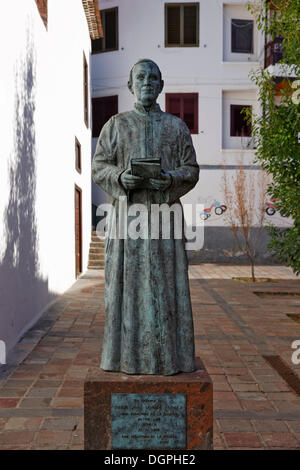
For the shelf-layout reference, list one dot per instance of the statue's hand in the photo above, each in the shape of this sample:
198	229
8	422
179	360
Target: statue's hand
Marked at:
130	181
163	183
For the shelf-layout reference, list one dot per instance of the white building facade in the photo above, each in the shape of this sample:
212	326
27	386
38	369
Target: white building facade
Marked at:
205	51
45	165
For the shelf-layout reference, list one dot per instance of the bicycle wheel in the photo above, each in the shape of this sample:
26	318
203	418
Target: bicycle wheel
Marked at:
270	210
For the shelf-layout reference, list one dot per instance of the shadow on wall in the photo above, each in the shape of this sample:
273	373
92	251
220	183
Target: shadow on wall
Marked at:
23	293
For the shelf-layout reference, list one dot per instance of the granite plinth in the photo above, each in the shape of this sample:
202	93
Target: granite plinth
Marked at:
102	392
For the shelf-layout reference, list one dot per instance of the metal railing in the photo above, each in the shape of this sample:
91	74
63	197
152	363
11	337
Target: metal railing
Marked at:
273	51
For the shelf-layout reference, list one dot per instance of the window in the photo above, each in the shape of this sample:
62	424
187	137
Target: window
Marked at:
43	10
238	123
242	36
109	42
77	155
103	109
85	91
182	24
184	106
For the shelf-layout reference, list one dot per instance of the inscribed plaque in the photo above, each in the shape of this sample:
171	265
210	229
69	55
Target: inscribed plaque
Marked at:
142	421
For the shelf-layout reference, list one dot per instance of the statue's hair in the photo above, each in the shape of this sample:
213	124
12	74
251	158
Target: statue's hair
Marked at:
140	62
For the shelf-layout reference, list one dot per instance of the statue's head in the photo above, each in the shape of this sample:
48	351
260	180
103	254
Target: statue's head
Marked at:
145	82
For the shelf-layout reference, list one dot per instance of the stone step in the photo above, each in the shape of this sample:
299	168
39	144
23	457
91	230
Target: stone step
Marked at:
97	252
97	240
97	249
94	232
96	235
96	266
97	245
96	257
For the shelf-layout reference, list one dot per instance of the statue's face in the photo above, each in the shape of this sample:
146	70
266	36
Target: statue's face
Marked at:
146	84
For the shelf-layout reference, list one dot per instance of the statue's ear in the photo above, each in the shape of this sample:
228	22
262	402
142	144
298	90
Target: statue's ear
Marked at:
129	85
161	85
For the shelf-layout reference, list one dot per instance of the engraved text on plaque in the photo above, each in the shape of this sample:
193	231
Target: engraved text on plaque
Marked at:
142	421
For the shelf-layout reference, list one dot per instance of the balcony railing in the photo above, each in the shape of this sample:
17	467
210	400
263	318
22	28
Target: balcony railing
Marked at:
273	51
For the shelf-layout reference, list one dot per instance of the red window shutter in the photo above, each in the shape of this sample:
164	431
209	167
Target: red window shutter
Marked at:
184	106
190	111
103	109
174	104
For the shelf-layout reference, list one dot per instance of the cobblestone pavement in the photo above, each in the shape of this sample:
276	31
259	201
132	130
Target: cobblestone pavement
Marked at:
236	325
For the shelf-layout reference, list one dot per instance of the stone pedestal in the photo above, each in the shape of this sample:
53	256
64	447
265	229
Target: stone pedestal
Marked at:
148	411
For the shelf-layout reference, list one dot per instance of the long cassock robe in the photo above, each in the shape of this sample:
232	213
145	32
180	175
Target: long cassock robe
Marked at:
149	324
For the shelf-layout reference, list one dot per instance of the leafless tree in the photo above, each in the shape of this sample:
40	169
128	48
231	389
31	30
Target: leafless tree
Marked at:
245	195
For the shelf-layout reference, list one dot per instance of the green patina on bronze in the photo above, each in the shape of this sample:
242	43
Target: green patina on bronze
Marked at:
149	324
148	421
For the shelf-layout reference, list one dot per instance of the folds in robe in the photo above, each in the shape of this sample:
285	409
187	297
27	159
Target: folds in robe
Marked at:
149	322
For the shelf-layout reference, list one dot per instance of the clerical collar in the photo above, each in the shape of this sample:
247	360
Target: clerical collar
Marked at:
139	108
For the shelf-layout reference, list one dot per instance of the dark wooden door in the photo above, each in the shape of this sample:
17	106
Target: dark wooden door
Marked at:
78	231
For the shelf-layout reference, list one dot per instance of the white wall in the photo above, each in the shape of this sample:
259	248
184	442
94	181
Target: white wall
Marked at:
41	112
207	70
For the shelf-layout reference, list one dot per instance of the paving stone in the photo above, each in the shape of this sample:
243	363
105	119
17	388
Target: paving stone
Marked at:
42	392
70	392
16	437
235	425
280	439
224	395
227	405
16	383
21	424
77	438
35	402
12	393
282	396
287	406
11	447
274	387
234	328
257	405
245	387
270	426
294	426
3	421
52	439
222	387
218	442
67	402
46	384
257	396
66	423
242	439
9	402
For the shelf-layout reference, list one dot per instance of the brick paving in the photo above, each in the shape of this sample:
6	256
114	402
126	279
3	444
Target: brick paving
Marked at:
236	324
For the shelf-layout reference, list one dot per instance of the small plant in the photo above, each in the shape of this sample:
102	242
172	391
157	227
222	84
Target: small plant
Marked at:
245	197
